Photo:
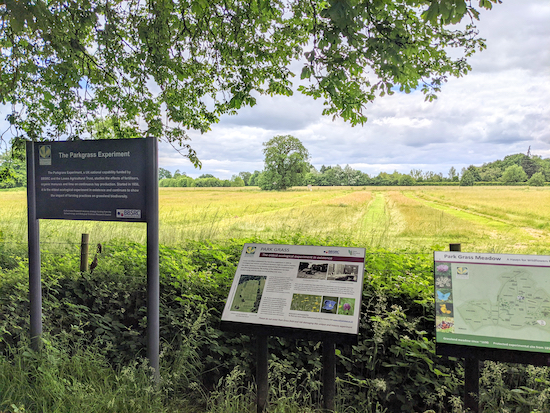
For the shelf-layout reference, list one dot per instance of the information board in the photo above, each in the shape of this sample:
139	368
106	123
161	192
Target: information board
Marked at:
496	301
100	180
302	287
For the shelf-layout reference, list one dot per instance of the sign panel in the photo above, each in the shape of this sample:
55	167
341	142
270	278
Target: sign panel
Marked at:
493	300
100	180
303	287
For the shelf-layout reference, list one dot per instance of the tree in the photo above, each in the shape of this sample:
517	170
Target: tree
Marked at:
162	67
253	179
13	171
474	170
490	174
164	174
236	180
453	175
417	175
536	180
514	173
467	178
245	176
530	166
433	177
285	163
406	180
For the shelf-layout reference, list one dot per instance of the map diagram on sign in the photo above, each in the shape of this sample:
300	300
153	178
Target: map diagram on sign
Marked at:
519	303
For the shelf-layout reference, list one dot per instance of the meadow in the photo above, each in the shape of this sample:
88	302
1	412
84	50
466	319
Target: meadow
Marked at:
94	324
420	219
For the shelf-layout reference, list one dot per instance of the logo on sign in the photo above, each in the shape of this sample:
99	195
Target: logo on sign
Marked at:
128	213
45	155
250	250
331	252
462	273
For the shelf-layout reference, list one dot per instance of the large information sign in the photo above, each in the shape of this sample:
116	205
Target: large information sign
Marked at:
300	287
495	301
101	180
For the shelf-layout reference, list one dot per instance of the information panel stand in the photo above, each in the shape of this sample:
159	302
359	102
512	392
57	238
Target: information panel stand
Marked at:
35	285
491	307
98	180
303	292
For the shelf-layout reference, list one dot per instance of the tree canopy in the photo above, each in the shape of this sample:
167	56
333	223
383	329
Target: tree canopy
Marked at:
514	173
161	67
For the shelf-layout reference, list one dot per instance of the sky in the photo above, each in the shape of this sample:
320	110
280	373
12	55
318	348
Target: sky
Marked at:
501	107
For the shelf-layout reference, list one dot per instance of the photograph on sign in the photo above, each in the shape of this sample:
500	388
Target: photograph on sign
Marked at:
304	287
100	180
499	301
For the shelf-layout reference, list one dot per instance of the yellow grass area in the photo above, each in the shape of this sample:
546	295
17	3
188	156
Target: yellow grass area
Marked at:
482	219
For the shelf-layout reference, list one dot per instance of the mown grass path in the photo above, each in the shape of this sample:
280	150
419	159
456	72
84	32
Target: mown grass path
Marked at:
381	222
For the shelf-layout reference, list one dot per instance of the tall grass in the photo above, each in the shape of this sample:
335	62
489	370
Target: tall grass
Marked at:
484	219
505	219
81	380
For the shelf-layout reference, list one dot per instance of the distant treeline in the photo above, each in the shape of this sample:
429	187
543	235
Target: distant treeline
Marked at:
518	169
178	179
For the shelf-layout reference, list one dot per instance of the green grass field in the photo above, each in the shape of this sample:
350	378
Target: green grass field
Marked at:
483	219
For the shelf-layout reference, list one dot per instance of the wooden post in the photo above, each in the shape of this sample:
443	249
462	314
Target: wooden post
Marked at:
329	374
471	384
84	252
455	247
471	371
261	372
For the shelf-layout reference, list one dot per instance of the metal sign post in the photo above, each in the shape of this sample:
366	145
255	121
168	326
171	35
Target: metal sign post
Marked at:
262	386
35	286
153	286
329	373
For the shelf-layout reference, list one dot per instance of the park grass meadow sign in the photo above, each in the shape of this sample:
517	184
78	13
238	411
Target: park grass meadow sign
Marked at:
495	301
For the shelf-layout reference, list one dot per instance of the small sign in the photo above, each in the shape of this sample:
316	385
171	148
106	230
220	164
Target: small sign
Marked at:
301	287
496	301
100	180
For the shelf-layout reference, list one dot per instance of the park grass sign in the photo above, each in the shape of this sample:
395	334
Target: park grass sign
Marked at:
91	180
494	301
308	288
